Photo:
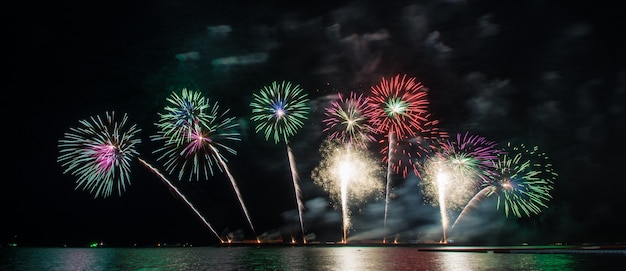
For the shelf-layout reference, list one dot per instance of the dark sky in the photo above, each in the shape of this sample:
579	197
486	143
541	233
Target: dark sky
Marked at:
546	73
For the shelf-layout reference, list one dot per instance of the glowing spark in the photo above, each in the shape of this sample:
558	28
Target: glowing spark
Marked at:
349	175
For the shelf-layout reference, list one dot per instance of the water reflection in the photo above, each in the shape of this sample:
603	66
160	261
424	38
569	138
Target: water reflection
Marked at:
293	258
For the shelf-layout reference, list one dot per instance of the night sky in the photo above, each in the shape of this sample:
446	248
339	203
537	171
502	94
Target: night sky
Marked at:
550	74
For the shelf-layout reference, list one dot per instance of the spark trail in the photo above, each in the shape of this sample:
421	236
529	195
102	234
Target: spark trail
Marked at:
279	110
397	108
296	188
236	189
347	122
173	188
193	132
99	154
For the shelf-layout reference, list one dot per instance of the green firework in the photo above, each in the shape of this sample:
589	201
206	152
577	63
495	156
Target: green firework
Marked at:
279	110
182	113
201	146
522	180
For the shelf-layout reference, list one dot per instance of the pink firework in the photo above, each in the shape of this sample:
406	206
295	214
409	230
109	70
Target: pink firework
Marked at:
346	120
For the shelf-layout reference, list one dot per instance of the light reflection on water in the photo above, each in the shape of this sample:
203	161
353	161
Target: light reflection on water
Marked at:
293	258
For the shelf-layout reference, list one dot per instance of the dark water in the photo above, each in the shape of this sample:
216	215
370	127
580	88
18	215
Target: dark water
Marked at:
296	258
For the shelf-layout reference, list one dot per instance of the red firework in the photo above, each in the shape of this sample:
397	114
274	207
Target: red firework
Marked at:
398	106
398	109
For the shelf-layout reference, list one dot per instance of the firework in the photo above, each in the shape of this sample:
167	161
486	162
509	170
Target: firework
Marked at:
201	146
347	124
397	108
99	154
452	175
346	120
471	154
349	175
522	180
204	138
279	110
184	111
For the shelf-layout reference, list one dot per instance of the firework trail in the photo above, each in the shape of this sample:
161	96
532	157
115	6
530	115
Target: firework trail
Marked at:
280	110
457	169
193	134
397	108
346	122
342	167
522	180
173	188
443	182
99	154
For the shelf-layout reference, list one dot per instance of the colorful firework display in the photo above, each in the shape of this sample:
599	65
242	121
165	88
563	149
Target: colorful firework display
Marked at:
99	153
195	135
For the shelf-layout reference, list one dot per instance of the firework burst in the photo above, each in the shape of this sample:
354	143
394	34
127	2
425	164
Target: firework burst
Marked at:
346	120
197	148
99	154
452	175
279	110
471	155
397	108
522	181
204	138
183	112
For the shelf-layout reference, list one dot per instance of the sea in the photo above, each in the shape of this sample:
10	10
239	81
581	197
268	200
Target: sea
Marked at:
356	258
